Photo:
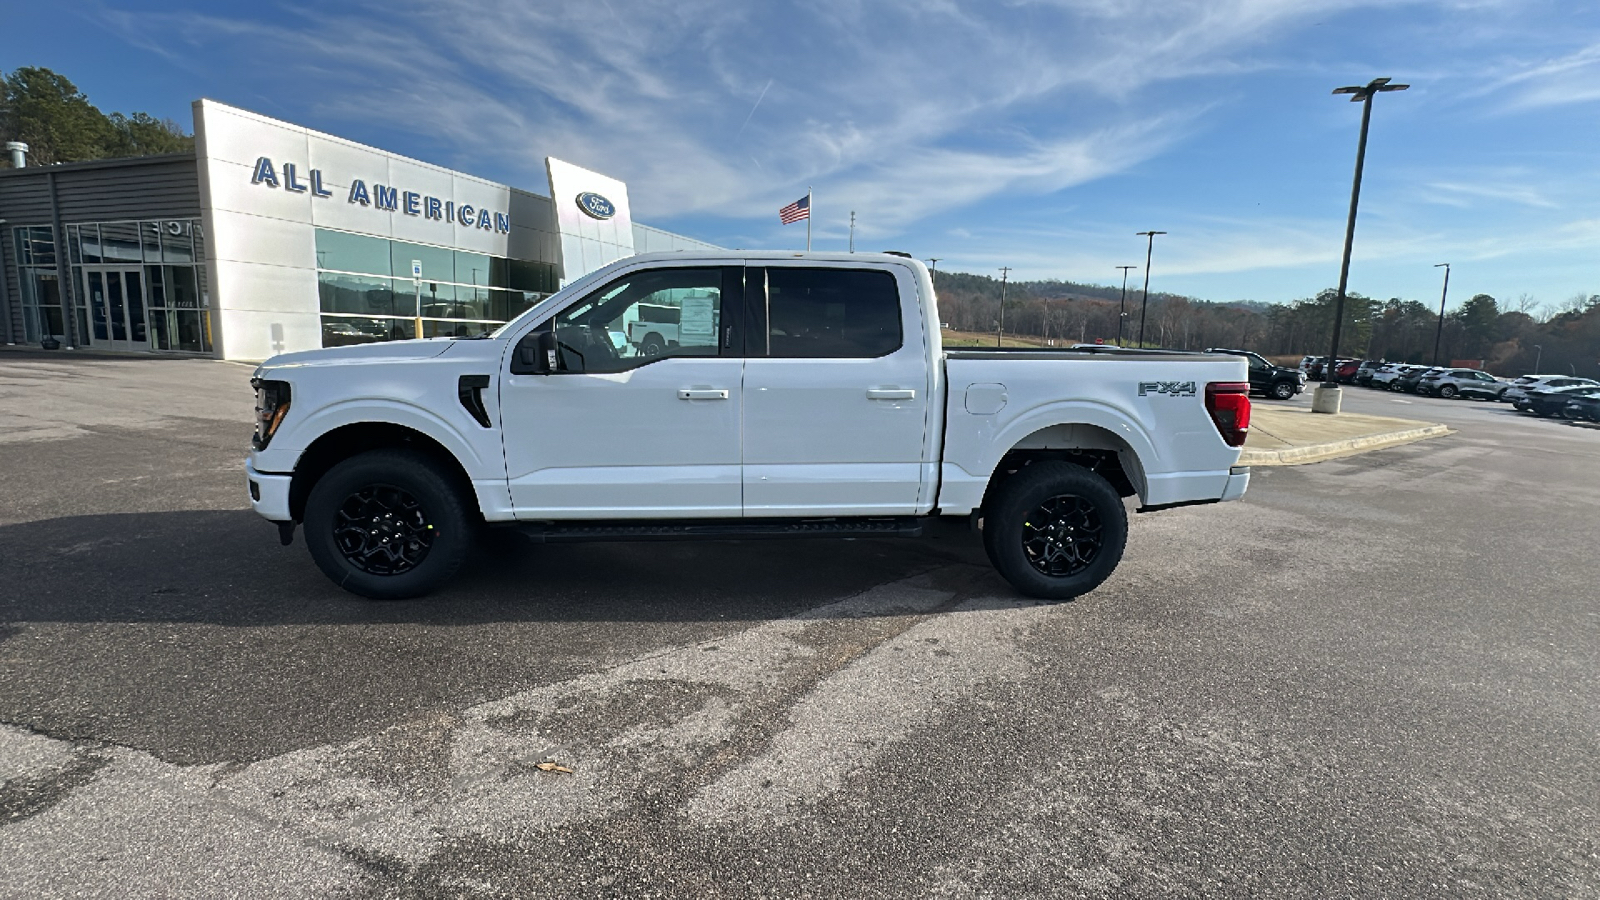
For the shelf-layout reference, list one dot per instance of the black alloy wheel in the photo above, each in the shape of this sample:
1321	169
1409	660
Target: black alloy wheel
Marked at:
389	524
1055	530
1062	535
383	530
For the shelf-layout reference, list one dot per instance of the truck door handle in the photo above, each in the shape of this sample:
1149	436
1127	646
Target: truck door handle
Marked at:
891	394
702	394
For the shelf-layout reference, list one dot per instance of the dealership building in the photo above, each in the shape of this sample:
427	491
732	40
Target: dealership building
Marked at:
271	237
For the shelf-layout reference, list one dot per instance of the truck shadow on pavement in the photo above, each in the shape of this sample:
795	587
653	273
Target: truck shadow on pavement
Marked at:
197	637
227	568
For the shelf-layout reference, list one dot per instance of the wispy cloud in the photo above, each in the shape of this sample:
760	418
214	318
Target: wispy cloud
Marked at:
1565	80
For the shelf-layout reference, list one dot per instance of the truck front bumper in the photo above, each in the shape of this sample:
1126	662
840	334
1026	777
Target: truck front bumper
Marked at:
269	494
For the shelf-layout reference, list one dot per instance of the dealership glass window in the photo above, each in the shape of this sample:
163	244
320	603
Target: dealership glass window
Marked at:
178	321
342	331
119	242
40	284
344	252
180	240
357	294
169	299
438	263
461	293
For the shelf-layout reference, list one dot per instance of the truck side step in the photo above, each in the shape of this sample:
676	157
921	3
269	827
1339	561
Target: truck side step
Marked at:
720	529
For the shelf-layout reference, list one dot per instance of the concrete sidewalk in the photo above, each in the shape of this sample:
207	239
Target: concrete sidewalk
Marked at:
1281	436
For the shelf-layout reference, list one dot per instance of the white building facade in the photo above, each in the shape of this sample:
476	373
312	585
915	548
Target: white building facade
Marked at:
296	239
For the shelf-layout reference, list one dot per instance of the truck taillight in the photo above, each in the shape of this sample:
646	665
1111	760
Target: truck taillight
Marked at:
1228	402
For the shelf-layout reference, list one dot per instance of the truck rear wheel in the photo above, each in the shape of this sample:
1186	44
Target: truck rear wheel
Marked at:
387	524
1055	530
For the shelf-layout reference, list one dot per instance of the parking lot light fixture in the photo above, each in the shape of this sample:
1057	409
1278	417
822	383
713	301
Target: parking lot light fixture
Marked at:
1145	304
1326	398
1538	357
1439	332
1122	311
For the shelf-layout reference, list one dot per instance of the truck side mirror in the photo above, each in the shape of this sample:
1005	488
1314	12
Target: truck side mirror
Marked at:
536	354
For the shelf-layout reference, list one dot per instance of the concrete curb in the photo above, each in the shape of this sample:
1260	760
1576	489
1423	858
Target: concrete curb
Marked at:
1310	453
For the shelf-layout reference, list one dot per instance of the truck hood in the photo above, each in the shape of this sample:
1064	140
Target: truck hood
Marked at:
383	352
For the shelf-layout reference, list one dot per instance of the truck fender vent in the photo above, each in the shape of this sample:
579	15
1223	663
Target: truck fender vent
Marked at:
470	391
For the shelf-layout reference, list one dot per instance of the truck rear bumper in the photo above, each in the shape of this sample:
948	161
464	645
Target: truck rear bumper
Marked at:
269	494
1238	480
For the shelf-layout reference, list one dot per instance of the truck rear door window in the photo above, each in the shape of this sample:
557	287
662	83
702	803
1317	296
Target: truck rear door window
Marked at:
832	313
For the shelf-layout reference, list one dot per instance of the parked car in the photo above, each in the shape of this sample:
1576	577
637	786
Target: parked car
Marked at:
1452	383
1408	382
1584	408
1366	370
1316	371
1553	401
1277	382
1518	390
1305	363
1385	375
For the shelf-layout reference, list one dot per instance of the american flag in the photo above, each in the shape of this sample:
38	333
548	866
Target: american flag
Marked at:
794	212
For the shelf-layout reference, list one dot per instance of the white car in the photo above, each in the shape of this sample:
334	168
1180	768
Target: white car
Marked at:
1518	391
807	395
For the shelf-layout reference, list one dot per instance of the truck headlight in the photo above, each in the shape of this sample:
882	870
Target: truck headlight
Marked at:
272	403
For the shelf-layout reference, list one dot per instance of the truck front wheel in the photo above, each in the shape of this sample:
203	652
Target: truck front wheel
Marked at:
1055	530
387	524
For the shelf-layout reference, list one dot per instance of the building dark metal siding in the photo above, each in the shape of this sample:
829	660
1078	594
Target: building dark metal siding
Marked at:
110	190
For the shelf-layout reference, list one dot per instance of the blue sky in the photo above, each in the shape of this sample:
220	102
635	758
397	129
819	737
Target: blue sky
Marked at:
1038	135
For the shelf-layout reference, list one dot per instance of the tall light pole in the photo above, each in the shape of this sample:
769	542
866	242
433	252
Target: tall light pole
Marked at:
1004	271
1122	311
933	270
1439	333
1145	305
1326	398
1538	357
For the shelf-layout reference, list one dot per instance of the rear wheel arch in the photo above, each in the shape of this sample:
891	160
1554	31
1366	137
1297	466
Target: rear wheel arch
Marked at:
351	440
1094	448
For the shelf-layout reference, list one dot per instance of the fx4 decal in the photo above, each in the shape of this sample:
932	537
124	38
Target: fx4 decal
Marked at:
1170	388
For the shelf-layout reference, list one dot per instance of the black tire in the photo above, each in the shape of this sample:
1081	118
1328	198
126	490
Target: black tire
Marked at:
1282	390
653	345
388	525
1448	392
1088	518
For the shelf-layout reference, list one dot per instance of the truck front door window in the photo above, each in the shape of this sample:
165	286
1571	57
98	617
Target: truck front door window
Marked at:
642	317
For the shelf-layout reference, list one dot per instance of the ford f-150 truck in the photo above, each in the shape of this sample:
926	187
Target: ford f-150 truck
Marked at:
807	395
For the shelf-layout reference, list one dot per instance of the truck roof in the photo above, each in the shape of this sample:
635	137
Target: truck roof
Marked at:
759	255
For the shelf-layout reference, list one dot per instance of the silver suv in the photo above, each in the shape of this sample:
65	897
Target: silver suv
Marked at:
1453	383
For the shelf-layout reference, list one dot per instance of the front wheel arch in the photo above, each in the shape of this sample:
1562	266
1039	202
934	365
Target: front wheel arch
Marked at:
347	441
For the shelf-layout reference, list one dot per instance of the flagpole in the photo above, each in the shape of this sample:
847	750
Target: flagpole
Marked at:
808	218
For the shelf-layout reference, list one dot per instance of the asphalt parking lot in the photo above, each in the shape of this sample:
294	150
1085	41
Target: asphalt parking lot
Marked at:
1377	676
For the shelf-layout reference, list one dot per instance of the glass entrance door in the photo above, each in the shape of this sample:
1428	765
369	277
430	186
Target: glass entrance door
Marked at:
116	309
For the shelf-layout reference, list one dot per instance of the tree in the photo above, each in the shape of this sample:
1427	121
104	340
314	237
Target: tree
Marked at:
47	112
144	135
1479	317
54	118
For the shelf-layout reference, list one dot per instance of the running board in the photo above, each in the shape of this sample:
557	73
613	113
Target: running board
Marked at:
720	530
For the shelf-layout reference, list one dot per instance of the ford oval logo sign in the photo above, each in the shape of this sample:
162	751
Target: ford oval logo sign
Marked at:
595	205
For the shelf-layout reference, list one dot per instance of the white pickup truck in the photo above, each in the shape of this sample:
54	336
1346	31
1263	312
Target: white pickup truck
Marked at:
815	400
